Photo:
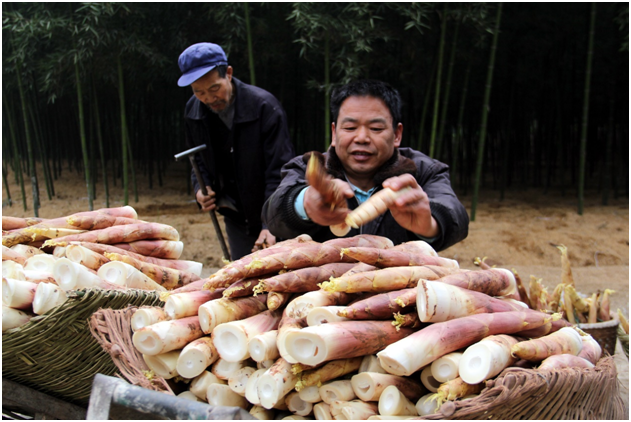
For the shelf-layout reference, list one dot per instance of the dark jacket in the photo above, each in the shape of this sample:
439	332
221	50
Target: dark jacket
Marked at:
258	144
433	176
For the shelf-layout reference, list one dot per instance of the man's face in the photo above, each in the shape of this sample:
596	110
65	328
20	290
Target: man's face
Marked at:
213	90
364	138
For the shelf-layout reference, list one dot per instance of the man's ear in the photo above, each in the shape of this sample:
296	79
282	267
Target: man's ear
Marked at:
398	135
333	134
229	73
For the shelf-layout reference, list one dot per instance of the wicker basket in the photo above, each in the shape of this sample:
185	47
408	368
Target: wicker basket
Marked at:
517	393
624	340
55	352
112	330
605	333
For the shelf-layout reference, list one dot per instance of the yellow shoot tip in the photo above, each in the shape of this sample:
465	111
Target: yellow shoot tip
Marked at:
328	286
296	369
164	296
149	374
207	286
259	288
400	302
398	320
225	261
255	264
299	385
556	316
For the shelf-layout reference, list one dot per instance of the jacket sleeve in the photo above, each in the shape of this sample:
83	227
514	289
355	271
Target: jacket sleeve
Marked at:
279	214
446	209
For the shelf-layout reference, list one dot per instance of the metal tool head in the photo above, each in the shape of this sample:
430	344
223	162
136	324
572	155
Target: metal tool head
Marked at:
191	151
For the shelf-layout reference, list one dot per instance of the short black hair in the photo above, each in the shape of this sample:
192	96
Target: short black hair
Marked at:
222	70
368	88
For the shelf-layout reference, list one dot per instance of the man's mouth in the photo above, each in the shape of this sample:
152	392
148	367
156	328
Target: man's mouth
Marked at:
360	155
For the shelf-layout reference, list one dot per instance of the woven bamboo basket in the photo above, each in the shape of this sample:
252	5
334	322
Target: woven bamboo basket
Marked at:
55	353
517	393
624	340
605	333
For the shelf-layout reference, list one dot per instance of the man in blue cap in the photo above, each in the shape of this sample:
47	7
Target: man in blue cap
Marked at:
245	130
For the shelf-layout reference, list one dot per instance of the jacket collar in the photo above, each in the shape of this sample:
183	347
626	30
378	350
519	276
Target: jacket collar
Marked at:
245	109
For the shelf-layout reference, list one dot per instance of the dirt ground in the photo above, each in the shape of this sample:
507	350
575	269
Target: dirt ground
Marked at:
519	232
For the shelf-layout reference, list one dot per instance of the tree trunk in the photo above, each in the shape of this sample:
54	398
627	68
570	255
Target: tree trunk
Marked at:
445	105
250	51
327	90
17	163
485	112
121	97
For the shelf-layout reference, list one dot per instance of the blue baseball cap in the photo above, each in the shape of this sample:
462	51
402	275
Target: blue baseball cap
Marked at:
199	59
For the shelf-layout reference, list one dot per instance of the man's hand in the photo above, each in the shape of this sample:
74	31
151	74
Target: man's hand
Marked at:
207	202
326	214
265	240
411	210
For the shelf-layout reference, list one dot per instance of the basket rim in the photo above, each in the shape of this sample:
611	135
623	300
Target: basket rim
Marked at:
605	324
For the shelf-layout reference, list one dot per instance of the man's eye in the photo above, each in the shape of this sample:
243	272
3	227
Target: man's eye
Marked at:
349	128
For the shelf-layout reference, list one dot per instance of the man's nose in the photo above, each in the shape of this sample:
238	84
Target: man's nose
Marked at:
362	134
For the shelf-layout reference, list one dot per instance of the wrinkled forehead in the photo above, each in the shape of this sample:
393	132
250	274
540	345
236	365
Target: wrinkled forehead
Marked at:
364	108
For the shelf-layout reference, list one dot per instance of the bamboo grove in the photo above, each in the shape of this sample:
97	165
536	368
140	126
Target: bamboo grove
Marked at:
515	95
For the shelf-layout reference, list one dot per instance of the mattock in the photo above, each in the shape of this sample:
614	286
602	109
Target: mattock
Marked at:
190	153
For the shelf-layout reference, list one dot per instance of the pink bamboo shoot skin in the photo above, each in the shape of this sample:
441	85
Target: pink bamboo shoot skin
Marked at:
99	221
565	341
314	345
300	306
154	248
548	328
276	300
196	356
387	279
9	254
275	383
47	296
382	305
13	318
120	234
147	315
591	350
493	282
181	305
241	288
368	386
184	265
438	302
565	360
18	294
166	336
421	348
222	310
85	257
12	223
384	258
487	358
303	280
231	338
169	278
117	272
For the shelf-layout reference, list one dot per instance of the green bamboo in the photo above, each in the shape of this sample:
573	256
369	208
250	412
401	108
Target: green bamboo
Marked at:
459	130
99	139
39	147
6	187
485	112
132	168
29	144
84	145
588	77
421	130
327	90
121	97
17	162
250	51
445	105
441	49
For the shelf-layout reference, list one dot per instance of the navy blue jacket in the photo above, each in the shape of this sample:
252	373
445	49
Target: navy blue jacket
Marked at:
259	142
282	220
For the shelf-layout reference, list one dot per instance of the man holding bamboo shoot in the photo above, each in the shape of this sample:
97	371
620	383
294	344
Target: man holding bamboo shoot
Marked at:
245	130
365	183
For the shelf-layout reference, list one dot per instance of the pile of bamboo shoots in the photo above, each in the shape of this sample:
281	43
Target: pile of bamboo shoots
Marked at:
110	248
564	298
352	328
